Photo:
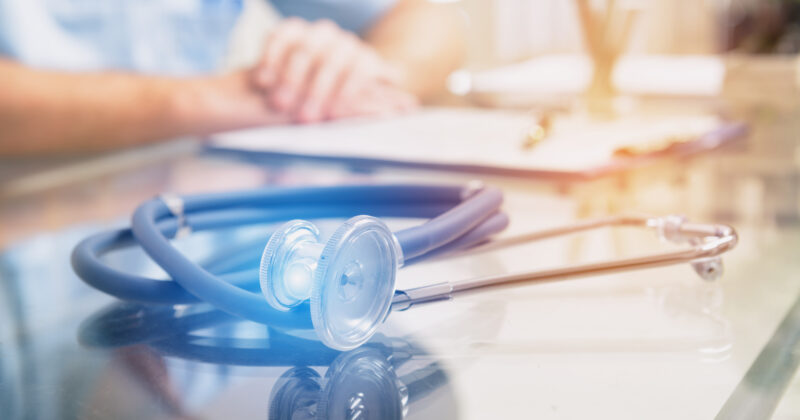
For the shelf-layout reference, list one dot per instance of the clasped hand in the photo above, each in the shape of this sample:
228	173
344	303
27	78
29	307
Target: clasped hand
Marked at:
316	71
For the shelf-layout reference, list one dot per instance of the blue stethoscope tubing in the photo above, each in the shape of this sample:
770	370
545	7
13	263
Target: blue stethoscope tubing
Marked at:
459	218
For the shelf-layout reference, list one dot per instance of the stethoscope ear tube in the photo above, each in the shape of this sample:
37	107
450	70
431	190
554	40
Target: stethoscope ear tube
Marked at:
88	266
461	220
707	244
481	234
87	263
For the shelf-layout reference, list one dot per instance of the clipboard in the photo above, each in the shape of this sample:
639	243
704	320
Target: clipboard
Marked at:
483	142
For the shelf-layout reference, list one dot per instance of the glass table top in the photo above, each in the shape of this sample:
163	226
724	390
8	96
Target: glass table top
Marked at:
657	343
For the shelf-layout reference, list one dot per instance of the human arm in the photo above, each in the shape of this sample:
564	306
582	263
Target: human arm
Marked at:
59	112
424	40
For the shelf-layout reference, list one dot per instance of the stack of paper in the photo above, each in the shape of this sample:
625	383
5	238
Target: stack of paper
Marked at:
471	139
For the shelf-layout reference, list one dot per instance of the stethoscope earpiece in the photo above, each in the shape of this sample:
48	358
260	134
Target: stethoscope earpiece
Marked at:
349	281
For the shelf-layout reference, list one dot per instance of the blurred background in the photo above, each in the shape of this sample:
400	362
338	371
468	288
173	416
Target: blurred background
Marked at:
510	30
753	40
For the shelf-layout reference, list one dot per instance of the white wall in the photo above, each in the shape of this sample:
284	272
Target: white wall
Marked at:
510	30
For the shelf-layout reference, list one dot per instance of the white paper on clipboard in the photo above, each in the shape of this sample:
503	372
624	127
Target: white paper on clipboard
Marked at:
456	137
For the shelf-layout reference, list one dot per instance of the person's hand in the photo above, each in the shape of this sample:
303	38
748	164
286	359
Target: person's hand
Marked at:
317	71
221	102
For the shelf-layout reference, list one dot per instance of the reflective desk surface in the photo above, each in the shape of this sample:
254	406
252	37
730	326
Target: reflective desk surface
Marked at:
659	343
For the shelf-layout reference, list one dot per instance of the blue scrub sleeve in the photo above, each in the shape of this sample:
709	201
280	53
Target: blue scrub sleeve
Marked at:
354	15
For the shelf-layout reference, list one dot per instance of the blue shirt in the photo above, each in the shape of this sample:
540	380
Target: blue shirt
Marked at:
170	37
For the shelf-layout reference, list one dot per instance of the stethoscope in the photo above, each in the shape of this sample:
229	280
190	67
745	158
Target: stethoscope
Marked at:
344	288
381	379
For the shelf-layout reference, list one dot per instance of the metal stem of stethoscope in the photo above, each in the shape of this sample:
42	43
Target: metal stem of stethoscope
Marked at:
708	242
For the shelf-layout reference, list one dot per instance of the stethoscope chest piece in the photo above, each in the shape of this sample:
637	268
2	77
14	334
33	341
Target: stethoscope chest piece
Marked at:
350	280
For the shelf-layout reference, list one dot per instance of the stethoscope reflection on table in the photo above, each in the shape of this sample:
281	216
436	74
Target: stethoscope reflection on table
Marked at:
382	379
343	289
